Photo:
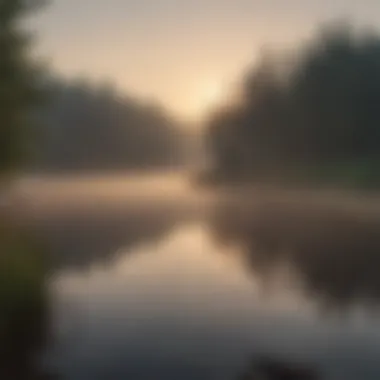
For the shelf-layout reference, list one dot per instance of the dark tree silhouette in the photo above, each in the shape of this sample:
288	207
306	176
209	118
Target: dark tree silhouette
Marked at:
92	126
318	115
19	87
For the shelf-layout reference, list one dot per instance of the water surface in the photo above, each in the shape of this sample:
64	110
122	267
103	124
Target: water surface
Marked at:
152	279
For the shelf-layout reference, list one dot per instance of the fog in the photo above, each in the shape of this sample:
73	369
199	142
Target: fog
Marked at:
137	244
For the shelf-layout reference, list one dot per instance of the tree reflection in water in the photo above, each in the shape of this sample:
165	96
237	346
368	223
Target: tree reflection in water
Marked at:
334	254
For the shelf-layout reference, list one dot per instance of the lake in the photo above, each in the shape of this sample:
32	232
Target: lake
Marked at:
152	279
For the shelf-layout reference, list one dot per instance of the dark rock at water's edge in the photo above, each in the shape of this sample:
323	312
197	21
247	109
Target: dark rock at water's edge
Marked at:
271	369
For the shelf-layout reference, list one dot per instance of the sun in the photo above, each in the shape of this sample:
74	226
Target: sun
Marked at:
212	95
202	100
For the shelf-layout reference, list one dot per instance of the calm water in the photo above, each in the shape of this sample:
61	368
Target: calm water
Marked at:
153	280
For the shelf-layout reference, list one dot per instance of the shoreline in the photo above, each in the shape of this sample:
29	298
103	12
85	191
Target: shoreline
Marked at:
340	198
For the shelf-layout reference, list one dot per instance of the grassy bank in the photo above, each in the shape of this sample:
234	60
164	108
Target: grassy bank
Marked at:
23	305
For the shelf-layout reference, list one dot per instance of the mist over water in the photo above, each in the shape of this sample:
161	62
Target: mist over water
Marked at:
148	268
239	242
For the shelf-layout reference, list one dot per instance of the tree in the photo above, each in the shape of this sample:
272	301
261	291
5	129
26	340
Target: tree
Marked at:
322	112
19	89
95	127
336	88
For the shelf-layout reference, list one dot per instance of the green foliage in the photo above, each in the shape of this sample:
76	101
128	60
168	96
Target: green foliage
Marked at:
18	81
321	112
23	303
22	273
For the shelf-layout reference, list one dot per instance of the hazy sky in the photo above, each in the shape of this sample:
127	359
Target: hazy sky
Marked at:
182	52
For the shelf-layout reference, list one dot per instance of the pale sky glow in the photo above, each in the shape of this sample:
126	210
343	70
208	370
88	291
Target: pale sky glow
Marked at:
181	52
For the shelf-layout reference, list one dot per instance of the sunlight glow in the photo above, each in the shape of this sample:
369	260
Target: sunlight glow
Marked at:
208	97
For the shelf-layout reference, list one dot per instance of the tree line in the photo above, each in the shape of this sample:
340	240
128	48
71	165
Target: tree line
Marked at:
93	126
310	114
51	124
